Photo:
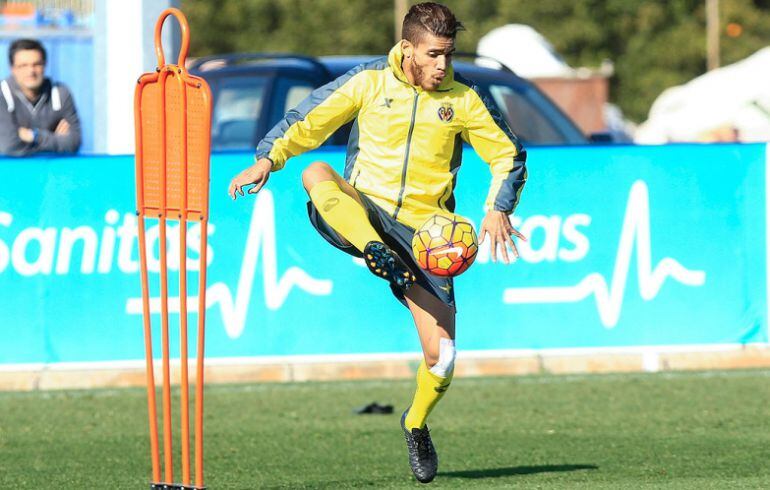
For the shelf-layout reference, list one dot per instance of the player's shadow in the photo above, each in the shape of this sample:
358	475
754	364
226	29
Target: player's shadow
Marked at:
518	470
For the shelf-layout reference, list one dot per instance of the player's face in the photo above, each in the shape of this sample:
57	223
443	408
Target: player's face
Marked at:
430	60
28	69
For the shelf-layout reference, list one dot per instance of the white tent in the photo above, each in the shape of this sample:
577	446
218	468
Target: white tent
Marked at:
523	50
732	102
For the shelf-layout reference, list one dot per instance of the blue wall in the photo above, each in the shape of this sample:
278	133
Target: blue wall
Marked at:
629	246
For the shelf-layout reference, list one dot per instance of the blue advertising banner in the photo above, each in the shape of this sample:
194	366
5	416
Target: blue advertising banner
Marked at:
628	246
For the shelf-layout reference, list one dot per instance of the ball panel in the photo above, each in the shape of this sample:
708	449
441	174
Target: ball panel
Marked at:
464	227
447	233
434	230
457	268
432	262
470	252
422	259
437	242
424	238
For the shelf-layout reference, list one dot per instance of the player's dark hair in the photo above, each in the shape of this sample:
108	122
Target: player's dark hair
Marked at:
25	44
429	17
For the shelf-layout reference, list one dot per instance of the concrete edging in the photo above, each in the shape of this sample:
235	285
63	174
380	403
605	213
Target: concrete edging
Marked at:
87	376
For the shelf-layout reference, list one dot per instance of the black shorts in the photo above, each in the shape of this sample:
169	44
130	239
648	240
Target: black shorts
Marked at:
398	237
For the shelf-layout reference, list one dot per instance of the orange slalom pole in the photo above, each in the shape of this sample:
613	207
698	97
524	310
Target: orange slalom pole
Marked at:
157	115
185	388
149	368
167	442
167	446
199	364
151	403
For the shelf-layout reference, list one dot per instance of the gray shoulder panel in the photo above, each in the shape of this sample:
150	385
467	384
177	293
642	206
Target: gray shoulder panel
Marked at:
313	100
508	196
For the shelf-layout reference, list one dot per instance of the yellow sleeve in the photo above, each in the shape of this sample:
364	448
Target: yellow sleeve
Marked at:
493	140
309	124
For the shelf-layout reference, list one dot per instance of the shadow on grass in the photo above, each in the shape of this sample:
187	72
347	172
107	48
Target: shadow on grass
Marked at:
518	470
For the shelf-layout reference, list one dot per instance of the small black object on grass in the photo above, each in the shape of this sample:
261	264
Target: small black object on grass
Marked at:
374	408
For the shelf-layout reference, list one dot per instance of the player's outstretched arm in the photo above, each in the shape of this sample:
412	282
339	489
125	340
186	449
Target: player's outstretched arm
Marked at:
498	226
255	175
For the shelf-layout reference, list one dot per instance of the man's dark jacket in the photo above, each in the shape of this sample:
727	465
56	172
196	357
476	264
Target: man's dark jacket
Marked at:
16	111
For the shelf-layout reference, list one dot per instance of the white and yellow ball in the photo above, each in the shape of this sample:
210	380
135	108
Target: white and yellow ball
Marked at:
445	245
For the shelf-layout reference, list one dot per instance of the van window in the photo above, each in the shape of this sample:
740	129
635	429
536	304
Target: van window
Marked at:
237	109
288	93
532	117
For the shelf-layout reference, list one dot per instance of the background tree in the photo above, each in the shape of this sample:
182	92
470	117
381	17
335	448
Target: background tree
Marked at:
654	44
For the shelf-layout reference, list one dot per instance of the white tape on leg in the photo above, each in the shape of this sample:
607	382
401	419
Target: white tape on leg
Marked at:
446	358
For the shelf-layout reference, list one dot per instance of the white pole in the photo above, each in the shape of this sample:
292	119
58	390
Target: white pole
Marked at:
124	49
399	12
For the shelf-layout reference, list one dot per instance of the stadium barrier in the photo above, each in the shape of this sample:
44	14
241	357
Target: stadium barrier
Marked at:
639	258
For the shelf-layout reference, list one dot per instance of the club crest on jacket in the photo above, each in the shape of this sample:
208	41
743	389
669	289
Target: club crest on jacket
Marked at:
446	112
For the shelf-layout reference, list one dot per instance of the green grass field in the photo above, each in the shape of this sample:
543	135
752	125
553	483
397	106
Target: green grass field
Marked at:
680	430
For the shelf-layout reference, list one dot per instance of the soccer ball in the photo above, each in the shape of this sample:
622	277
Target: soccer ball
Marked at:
445	245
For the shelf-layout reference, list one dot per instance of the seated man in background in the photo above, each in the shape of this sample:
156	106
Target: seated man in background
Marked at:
36	114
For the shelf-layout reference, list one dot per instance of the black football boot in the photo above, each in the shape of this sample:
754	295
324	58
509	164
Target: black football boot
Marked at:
422	455
385	263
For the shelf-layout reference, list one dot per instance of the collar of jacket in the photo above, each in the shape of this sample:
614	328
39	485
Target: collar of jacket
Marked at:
45	89
396	57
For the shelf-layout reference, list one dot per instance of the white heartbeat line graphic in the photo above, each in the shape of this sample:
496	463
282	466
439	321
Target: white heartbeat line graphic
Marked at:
609	300
261	237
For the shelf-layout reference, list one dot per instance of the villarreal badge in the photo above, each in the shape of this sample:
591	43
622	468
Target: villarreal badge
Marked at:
446	112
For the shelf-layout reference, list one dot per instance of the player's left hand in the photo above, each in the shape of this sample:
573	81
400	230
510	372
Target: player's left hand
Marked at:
257	174
498	226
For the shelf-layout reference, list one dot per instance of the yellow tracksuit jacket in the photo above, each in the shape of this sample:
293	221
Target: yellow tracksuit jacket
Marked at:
405	147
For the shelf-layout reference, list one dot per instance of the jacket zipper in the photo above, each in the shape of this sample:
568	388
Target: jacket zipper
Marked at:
406	157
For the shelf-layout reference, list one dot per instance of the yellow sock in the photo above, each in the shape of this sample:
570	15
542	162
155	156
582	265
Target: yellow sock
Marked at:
343	213
430	389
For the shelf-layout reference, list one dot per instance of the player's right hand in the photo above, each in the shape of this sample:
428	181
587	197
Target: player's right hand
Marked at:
497	224
257	175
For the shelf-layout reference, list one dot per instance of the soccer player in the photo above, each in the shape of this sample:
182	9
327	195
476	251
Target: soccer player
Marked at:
412	114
